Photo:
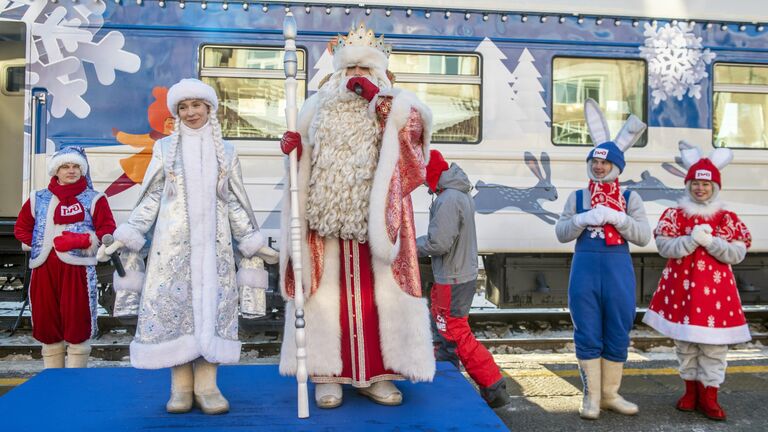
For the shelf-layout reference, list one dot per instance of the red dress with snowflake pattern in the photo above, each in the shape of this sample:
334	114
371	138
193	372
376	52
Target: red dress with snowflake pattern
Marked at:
697	299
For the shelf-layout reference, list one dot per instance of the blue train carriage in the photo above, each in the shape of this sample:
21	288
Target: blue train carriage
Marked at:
506	87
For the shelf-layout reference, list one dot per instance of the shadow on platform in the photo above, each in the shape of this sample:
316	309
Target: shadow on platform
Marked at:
118	399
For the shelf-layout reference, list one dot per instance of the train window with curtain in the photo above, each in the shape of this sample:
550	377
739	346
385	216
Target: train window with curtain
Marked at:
740	109
450	85
249	82
618	85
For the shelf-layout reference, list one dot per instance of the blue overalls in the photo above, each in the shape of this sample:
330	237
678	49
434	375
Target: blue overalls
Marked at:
601	295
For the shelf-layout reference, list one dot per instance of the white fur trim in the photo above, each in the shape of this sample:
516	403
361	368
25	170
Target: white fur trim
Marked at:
323	326
381	246
183	350
255	278
697	334
57	160
191	88
692	208
364	56
130	237
133	281
166	354
404	327
25	247
248	246
91	250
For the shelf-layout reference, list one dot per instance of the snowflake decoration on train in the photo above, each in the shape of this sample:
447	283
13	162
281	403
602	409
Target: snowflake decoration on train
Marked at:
677	61
63	39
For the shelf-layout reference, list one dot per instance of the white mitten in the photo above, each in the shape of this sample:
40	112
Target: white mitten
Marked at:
612	216
117	244
594	217
269	255
101	254
702	234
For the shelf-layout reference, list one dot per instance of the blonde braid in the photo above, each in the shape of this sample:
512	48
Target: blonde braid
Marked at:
222	189
170	179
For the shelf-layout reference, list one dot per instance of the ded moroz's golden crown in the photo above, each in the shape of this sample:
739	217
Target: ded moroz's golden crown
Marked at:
361	36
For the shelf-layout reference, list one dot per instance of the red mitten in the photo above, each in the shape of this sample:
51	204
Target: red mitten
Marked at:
368	89
291	140
69	240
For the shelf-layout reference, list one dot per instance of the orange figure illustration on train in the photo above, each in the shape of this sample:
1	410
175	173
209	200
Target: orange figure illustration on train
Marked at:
134	166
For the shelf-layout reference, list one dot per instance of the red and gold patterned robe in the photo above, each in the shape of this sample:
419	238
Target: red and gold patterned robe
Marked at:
365	318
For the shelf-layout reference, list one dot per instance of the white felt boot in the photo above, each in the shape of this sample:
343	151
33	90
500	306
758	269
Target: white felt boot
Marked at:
207	394
383	392
77	355
611	399
590	376
53	355
182	380
328	395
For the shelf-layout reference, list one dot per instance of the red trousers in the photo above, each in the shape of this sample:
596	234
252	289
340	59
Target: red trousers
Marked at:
450	309
58	295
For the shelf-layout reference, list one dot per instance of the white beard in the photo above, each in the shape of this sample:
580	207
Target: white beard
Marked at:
347	141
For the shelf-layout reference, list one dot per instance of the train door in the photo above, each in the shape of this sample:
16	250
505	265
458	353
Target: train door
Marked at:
12	77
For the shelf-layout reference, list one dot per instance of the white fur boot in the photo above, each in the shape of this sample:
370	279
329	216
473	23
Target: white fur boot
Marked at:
328	395
77	355
53	355
612	400
383	392
590	376
182	380
207	394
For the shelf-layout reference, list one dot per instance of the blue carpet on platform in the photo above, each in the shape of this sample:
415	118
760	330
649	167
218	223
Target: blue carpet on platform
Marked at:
127	399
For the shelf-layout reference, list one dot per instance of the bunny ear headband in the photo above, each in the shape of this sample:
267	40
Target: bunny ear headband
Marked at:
704	168
597	125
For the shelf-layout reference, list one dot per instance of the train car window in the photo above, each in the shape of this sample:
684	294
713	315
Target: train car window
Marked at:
449	83
13	80
740	110
618	85
249	82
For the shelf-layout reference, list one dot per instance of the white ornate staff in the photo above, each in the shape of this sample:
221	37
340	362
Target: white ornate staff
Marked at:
291	112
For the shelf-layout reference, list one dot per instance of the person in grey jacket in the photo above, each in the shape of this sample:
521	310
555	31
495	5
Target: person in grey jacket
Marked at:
451	241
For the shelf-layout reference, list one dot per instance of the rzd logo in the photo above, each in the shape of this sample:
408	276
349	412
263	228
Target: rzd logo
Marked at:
71	210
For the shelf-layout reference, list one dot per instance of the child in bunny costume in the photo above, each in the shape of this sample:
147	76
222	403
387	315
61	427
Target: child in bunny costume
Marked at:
697	303
601	289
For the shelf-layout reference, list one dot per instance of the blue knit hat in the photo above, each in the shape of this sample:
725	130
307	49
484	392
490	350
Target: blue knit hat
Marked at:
610	152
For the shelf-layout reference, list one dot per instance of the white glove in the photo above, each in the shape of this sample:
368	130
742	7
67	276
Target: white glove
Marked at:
101	254
594	217
111	249
269	255
612	216
702	234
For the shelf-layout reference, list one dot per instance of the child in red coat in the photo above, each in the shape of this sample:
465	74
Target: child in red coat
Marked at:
61	226
697	302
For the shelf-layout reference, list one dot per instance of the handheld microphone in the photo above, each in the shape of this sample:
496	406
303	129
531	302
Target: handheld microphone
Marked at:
116	263
358	89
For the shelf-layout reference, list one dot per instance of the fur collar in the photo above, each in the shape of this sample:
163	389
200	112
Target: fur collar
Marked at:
692	208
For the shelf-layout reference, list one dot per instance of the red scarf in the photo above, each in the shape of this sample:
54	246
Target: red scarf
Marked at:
69	209
609	195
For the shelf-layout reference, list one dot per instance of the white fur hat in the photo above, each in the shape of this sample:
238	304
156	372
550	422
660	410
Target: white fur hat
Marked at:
360	47
191	88
74	155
